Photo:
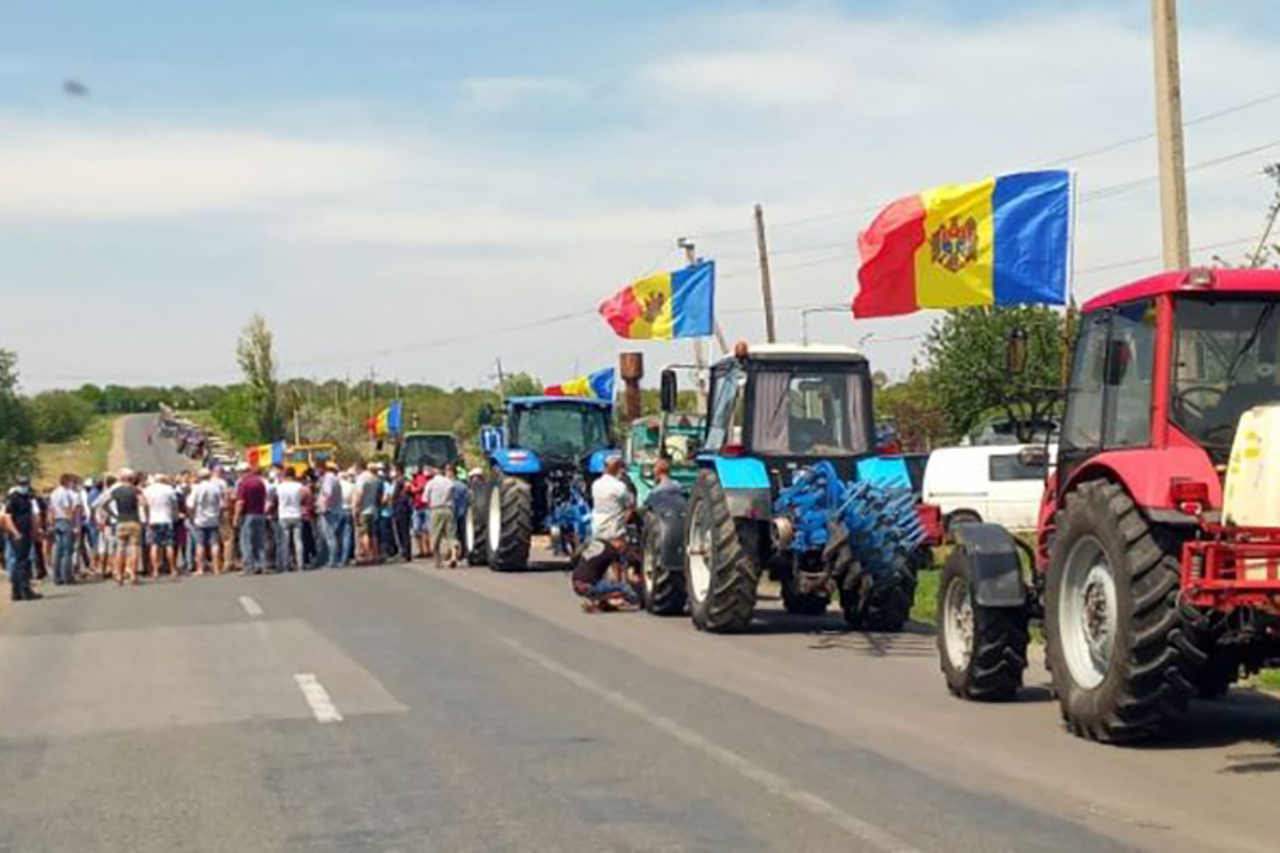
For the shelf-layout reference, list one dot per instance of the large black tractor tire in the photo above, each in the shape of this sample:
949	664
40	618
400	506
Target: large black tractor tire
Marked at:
799	603
509	542
664	587
477	531
1215	678
1135	685
983	649
722	587
882	604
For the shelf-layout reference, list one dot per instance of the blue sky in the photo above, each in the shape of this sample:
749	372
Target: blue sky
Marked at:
391	183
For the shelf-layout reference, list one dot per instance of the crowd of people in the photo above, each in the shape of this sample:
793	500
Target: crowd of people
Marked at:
133	525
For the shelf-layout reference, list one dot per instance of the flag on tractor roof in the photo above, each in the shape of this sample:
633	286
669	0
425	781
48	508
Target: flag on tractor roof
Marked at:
596	386
388	422
679	304
1002	241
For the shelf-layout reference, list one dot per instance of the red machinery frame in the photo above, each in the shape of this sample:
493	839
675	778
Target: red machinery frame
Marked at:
1215	568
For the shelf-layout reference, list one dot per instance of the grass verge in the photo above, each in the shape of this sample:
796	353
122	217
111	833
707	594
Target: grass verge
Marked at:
81	456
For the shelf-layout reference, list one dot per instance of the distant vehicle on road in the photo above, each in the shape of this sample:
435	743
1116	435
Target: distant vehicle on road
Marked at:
678	437
999	484
417	450
300	457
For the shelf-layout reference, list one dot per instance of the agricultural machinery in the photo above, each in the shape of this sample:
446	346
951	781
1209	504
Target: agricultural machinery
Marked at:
1156	565
418	450
780	488
541	463
674	437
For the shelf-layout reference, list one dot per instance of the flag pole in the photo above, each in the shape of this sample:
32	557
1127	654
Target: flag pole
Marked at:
1065	367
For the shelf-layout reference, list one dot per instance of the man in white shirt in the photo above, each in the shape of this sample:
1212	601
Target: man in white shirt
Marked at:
206	505
162	502
65	505
611	503
438	497
289	498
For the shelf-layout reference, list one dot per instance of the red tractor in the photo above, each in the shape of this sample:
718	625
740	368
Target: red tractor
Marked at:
1156	567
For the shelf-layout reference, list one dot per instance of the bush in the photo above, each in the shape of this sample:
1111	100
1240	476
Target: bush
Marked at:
60	416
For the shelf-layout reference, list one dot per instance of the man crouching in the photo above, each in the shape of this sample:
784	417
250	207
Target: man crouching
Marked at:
606	571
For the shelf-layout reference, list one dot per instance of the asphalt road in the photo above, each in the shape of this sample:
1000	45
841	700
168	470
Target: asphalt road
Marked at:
146	450
404	708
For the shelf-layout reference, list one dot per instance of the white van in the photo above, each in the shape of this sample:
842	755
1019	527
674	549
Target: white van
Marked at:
997	484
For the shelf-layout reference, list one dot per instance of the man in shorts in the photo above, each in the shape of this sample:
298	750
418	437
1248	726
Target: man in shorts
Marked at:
162	504
205	507
129	508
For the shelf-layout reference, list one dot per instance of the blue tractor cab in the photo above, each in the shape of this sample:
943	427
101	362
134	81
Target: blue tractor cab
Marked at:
542	459
786	485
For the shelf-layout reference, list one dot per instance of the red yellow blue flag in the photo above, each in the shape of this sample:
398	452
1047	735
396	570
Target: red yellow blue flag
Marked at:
389	421
597	386
679	304
1002	241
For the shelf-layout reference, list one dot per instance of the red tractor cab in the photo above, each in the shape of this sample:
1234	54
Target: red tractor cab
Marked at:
1156	566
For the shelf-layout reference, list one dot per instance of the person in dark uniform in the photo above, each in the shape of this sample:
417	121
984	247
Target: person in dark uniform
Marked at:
20	511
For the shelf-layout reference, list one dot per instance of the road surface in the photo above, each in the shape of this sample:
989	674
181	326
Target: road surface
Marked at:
140	446
405	708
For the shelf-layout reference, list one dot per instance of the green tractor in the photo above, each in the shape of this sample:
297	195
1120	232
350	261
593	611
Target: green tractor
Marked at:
416	450
675	437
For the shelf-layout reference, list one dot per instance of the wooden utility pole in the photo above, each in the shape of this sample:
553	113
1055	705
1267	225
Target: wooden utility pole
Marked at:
766	282
1173	177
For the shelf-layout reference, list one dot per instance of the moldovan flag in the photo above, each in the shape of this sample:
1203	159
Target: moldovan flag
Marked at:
679	304
1002	241
598	385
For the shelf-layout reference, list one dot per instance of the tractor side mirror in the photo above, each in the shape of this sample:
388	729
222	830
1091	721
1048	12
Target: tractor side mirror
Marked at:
1015	352
670	390
485	415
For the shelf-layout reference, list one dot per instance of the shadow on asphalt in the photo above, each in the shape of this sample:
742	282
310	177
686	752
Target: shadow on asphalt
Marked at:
1244	718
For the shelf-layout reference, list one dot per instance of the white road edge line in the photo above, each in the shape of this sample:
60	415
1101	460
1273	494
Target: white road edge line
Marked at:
250	606
318	698
770	781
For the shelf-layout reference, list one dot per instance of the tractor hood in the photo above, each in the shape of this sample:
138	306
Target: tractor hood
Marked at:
517	461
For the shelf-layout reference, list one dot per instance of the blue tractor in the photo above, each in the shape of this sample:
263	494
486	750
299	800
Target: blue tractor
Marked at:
542	461
786	486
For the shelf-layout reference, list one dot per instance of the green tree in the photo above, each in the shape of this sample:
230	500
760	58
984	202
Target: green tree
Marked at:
970	375
254	352
17	434
523	385
917	410
60	416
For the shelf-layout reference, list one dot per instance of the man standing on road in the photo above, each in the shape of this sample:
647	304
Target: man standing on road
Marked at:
162	502
327	512
365	503
611	503
251	518
19	512
421	518
65	503
205	508
663	484
129	507
290	496
439	500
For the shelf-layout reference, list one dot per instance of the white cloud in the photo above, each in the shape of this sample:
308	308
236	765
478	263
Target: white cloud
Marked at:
142	173
494	94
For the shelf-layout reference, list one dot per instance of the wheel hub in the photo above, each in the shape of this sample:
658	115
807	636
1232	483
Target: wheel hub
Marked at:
957	624
495	520
698	553
1087	615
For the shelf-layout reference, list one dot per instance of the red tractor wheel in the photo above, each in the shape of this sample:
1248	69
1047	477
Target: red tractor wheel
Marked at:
1123	664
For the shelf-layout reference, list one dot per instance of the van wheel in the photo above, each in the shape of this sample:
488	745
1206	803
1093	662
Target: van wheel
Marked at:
960	516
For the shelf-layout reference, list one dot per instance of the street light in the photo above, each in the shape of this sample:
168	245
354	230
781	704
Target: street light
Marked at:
817	309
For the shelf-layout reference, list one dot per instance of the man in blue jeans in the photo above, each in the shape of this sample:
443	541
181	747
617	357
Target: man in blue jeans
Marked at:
65	505
328	506
251	515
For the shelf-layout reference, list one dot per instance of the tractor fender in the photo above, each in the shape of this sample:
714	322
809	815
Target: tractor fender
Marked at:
997	569
745	482
518	462
665	513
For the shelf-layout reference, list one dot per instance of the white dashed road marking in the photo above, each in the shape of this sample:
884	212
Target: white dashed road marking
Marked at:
318	698
770	781
250	606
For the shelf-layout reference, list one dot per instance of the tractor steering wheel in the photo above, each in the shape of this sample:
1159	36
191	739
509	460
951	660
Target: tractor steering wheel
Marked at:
1196	410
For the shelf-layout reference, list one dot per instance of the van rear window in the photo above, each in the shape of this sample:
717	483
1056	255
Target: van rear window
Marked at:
1006	467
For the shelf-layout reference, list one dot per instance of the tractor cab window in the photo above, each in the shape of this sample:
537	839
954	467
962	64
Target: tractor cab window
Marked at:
1082	426
728	410
562	432
1227	355
811	412
1109	404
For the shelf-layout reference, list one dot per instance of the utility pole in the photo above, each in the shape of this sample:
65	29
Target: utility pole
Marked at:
699	346
1173	177
766	282
502	379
